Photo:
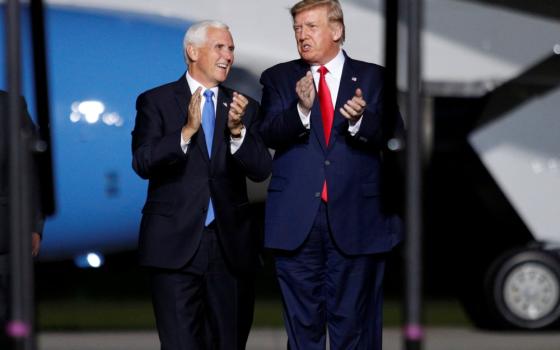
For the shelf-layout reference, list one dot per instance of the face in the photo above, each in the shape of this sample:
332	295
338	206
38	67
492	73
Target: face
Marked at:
211	62
316	37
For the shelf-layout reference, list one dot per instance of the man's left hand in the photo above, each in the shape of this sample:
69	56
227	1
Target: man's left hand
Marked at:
236	112
354	109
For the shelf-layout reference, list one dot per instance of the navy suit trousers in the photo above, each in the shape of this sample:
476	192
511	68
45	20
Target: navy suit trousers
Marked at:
322	288
203	306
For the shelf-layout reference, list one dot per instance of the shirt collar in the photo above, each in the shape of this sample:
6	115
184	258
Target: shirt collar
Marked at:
194	84
334	66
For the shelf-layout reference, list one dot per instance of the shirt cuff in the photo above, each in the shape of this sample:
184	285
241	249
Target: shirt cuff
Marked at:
354	127
185	144
235	144
305	119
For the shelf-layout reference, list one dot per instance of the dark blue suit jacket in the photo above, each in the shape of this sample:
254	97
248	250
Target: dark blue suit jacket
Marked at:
302	161
180	184
37	216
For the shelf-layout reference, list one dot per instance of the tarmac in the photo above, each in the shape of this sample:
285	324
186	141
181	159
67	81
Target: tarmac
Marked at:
275	339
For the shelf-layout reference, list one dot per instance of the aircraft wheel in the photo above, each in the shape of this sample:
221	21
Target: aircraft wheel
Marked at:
524	289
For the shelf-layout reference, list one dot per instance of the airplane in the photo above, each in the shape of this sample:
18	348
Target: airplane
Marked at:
103	53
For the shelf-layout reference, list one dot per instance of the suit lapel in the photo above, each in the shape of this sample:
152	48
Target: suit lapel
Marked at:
222	108
183	97
315	119
349	82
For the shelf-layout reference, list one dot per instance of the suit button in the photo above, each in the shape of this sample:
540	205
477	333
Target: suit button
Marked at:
327	162
317	194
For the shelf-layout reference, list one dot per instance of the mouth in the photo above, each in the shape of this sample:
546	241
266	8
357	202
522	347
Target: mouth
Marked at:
305	47
223	66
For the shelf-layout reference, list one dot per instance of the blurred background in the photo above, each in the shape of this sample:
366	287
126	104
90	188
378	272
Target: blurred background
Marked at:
491	96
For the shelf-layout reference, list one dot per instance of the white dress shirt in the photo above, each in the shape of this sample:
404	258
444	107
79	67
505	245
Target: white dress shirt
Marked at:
332	78
193	85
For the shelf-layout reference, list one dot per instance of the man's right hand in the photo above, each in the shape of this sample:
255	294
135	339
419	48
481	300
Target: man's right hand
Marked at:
194	116
306	93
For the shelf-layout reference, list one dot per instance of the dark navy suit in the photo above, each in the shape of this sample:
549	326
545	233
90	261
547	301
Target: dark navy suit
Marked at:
38	219
353	223
173	240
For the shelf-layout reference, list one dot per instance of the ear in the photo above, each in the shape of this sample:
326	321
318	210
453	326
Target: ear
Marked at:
192	53
336	29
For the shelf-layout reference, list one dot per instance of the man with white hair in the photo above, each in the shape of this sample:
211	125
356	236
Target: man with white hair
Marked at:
196	141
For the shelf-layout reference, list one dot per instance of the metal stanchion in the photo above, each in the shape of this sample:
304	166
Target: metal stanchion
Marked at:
413	331
20	325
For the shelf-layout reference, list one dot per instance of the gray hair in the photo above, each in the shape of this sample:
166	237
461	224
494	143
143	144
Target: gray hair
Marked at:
196	34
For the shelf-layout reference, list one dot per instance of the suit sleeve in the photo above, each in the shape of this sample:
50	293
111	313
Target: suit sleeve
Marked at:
281	125
377	125
253	155
369	133
153	151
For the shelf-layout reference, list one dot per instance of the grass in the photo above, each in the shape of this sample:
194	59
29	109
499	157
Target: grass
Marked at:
81	314
131	314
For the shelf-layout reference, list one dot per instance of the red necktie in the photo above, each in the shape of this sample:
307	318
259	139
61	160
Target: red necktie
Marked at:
327	113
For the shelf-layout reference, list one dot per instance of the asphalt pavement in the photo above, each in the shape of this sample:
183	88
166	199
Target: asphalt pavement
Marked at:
275	339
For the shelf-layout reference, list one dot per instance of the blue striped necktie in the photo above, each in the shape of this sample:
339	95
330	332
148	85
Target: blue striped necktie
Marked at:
208	122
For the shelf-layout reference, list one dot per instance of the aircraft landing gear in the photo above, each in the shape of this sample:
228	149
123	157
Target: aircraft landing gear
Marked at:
523	288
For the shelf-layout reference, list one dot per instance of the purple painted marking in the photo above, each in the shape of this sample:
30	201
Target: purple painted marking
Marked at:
17	329
413	332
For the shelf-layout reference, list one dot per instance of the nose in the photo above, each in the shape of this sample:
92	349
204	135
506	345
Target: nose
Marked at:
301	34
228	55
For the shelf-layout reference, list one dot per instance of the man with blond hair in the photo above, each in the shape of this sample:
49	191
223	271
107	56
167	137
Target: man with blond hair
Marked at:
324	216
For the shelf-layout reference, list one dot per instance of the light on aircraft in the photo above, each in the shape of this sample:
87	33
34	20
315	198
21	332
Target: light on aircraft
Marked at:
395	144
91	110
112	119
89	260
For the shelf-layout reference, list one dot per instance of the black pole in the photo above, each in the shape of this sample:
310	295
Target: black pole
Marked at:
413	330
43	146
391	54
21	271
389	121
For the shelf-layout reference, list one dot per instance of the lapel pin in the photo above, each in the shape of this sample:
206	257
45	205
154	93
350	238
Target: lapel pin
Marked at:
354	79
225	104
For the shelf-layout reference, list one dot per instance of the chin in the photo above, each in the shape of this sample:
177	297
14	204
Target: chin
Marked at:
220	78
309	58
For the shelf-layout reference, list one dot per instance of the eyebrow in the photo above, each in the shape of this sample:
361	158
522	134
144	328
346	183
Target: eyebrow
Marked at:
306	23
